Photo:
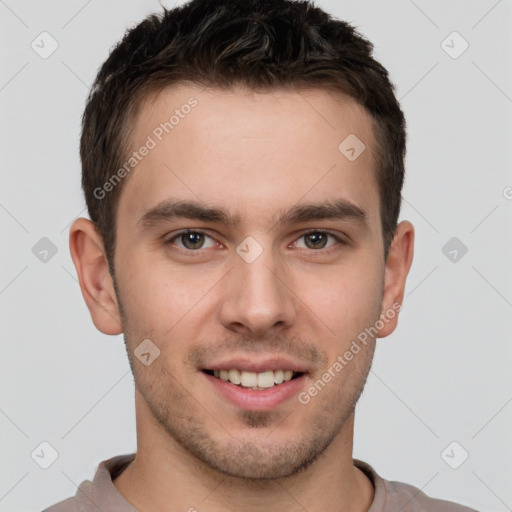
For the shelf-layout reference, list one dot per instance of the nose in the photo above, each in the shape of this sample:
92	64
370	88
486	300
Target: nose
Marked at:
257	298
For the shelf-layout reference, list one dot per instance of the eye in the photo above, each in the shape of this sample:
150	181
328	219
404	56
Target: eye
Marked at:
318	239
191	240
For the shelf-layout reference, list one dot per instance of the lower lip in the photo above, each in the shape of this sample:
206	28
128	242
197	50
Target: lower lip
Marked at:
252	400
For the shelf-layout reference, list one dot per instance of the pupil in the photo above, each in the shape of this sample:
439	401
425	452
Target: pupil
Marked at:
192	240
316	237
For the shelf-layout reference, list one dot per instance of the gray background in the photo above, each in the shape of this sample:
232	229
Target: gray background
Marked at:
443	376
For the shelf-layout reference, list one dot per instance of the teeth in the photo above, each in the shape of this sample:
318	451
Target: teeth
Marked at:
249	379
234	376
278	376
266	379
254	380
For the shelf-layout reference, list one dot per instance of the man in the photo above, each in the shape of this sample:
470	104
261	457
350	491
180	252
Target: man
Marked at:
242	167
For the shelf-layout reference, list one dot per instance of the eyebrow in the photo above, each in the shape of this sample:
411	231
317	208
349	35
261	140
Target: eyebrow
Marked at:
167	210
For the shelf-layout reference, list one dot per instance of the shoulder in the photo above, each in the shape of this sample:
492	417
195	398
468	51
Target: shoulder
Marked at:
391	496
68	505
100	493
81	502
413	499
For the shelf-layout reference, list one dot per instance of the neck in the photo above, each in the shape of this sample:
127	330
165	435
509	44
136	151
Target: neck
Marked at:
166	477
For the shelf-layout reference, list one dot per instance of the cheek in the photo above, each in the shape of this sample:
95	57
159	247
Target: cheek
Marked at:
344	294
167	305
152	288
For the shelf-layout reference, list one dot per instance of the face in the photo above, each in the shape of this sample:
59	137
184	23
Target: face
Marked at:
257	286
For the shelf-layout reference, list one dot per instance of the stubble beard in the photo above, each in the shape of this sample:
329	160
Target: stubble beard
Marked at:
189	425
177	414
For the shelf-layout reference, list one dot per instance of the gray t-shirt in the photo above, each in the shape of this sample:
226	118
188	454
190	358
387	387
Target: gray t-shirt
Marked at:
101	494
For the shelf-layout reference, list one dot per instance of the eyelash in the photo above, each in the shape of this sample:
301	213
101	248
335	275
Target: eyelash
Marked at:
170	241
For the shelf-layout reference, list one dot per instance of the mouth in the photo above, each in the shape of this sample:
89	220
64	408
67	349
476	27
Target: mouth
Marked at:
255	381
251	386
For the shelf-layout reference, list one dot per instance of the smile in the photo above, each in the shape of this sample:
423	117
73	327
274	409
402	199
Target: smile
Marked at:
254	380
244	390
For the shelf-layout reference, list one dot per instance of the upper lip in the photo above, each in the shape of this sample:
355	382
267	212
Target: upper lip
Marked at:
258	366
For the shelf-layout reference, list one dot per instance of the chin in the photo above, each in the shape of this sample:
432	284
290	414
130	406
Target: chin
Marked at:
259	457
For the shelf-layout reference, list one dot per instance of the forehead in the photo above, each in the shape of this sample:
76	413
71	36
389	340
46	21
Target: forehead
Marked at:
253	152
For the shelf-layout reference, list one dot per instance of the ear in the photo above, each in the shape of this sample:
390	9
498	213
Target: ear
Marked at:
88	254
397	268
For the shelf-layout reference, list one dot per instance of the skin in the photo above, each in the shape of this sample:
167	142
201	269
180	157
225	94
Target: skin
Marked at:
256	155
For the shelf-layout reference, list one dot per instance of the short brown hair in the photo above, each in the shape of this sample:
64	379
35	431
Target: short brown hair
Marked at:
261	44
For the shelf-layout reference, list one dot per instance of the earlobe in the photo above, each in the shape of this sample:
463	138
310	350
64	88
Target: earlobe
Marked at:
87	252
397	268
